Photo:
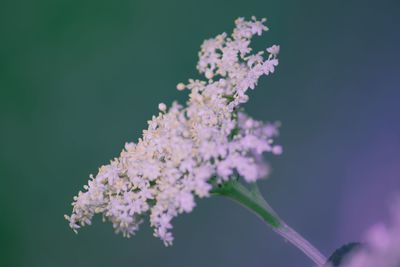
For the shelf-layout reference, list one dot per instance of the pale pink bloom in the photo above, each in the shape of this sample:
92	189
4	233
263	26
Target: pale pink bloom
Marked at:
273	50
184	147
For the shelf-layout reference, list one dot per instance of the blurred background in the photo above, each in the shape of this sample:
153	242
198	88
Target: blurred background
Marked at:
80	78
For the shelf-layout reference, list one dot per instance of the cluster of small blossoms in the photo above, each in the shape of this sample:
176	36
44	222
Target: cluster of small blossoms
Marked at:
382	246
185	148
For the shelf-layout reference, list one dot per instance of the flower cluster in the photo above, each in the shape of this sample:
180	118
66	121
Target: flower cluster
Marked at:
185	148
382	247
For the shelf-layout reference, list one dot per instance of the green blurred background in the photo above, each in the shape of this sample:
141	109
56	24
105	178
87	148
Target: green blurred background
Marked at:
80	78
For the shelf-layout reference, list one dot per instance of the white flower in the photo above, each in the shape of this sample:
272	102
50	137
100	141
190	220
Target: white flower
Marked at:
180	86
273	50
162	107
185	147
269	66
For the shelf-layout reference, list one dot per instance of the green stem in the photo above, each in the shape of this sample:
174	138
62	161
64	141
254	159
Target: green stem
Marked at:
254	201
236	191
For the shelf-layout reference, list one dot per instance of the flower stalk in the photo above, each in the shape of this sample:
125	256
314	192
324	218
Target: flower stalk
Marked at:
254	201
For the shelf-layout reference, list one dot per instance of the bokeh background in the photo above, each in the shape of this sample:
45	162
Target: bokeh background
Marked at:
80	78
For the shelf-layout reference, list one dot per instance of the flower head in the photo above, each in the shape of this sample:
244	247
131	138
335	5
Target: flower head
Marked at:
185	148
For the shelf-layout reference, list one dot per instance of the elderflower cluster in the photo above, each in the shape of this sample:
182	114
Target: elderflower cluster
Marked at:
187	149
382	246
